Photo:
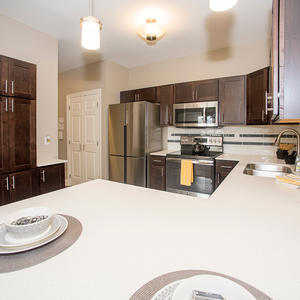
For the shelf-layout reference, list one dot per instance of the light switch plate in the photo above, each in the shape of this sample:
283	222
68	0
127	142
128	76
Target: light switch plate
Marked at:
47	140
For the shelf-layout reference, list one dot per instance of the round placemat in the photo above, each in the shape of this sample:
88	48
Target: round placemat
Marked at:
147	291
19	261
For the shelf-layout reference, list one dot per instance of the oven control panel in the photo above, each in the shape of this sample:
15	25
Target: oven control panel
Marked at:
203	140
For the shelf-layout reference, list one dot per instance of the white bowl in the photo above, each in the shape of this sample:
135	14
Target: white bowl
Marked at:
28	231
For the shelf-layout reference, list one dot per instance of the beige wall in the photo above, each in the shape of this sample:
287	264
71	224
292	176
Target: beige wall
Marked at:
22	42
108	76
238	60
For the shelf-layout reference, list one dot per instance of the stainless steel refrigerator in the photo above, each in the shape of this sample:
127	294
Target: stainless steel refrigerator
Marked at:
134	132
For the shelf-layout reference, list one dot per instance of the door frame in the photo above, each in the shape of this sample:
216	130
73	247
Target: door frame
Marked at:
68	102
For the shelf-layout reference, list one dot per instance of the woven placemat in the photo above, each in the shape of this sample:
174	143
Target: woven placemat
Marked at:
19	261
147	291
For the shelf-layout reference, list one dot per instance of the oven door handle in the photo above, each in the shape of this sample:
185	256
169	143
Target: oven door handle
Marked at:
195	162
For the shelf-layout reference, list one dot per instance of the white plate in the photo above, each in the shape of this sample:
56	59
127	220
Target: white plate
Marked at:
61	229
211	284
6	241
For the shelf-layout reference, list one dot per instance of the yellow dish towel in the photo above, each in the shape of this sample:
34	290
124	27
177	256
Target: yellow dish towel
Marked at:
291	179
187	175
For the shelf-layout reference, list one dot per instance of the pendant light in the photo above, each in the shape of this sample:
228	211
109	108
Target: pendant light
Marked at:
90	30
222	5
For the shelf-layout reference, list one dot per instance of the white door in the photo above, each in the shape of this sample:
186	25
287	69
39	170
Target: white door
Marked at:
84	136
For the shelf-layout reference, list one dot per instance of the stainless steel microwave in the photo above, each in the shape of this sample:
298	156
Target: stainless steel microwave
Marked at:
197	114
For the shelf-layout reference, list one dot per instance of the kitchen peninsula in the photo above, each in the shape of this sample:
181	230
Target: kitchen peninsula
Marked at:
248	229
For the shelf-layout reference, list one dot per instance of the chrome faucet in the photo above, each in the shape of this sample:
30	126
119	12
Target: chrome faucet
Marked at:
277	142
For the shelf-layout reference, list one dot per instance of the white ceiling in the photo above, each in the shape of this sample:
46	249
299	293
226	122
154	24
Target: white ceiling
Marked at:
191	27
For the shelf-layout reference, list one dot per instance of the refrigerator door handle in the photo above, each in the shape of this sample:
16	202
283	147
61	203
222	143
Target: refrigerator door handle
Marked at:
125	153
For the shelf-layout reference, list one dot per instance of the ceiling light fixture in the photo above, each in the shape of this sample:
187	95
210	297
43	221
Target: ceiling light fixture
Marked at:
222	5
90	30
151	31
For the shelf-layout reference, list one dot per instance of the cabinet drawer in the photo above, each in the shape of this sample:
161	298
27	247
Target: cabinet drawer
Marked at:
225	166
158	160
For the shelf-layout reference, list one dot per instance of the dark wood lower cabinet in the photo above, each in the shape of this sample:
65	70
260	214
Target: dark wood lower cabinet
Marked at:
158	172
18	186
51	178
25	184
223	168
5	193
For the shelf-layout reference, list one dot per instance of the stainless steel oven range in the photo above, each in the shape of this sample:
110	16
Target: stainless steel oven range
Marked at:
202	151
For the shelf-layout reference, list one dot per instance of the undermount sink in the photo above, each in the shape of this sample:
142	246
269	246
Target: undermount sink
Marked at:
265	170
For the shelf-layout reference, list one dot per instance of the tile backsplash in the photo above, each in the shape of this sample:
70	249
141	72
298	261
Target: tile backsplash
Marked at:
242	139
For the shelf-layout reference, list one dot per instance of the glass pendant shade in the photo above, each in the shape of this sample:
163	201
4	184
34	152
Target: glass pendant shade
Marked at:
151	30
90	33
222	5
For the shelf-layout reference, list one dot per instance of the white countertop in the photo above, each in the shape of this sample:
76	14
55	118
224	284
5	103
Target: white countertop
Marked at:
249	229
50	161
162	152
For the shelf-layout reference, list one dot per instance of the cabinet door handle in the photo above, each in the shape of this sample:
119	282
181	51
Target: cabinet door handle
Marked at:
196	97
43	176
12	87
193	95
266	102
6	86
226	167
162	172
223	117
13	183
263	115
7	183
157	160
218	178
12	105
6	104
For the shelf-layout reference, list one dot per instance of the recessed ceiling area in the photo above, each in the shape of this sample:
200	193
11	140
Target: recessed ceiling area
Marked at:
191	27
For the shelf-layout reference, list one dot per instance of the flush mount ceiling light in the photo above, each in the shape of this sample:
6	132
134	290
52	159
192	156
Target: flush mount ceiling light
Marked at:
151	31
90	31
222	5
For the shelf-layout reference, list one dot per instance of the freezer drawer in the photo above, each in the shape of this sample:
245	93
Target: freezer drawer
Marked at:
116	168
136	171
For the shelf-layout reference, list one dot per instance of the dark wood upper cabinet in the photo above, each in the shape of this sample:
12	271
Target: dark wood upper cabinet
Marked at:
17	78
23	185
206	90
22	79
127	96
147	94
257	97
4	135
4	75
286	61
51	178
232	96
165	96
22	134
184	92
158	172
196	91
